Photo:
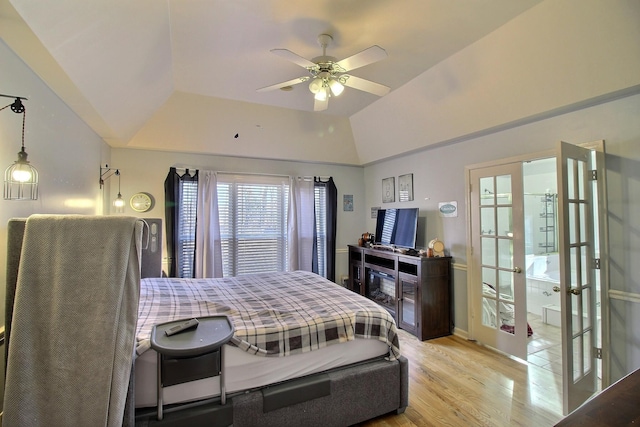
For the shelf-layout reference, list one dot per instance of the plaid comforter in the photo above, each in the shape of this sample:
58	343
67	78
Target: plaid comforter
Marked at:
275	314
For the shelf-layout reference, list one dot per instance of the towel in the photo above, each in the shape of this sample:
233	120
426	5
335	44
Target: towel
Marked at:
74	320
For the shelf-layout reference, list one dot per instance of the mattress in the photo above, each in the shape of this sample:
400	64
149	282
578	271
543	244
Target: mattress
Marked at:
245	371
287	325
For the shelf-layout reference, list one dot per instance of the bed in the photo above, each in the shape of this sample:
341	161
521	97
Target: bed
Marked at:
506	315
334	371
291	329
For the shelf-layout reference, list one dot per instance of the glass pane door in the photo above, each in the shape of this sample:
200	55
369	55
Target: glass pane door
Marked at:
578	278
407	303
499	295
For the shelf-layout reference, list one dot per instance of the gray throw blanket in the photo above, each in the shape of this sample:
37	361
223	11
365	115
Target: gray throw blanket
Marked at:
74	321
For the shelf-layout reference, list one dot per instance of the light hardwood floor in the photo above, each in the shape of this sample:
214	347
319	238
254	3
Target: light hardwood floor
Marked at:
455	382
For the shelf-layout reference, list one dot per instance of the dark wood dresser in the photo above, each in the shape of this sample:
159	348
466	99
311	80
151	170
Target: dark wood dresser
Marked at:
415	290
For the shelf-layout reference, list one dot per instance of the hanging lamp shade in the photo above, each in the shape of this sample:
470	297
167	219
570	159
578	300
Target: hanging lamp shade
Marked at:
322	94
336	87
316	85
118	202
21	178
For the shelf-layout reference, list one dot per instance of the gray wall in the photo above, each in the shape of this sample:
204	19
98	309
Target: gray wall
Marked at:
439	177
64	150
143	170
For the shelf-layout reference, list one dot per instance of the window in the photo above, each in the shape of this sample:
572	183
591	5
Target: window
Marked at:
320	196
186	239
253	224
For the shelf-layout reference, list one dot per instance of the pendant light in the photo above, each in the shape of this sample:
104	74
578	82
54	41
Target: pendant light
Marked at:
106	173
118	203
21	178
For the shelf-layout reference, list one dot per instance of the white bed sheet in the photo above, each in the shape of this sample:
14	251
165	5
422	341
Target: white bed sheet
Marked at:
244	371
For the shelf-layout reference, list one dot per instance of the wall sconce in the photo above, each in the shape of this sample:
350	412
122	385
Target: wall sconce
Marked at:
20	179
106	173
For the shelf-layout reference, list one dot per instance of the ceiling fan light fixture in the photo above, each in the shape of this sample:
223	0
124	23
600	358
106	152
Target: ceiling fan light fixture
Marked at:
336	87
316	85
327	76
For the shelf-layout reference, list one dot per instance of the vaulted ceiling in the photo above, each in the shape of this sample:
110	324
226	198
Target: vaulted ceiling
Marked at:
183	74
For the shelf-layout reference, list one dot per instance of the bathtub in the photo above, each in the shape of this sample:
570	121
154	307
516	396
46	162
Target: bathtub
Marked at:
543	273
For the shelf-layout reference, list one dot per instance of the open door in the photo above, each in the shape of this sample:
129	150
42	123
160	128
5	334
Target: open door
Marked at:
499	310
578	243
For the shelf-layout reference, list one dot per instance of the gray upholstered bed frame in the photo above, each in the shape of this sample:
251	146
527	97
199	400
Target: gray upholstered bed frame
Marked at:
339	397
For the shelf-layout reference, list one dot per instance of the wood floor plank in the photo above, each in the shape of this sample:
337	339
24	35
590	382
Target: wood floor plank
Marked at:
455	382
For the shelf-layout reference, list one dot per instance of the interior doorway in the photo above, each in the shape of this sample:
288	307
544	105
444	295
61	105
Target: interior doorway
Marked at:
542	267
536	273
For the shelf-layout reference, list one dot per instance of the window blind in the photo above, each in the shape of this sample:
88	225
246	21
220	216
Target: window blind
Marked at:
320	196
187	227
253	223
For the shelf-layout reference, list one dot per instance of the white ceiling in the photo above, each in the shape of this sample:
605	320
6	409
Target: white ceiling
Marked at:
118	62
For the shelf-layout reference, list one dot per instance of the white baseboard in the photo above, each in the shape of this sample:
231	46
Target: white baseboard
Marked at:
461	333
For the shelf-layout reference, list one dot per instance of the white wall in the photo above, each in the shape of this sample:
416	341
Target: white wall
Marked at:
439	175
144	170
64	150
206	124
556	54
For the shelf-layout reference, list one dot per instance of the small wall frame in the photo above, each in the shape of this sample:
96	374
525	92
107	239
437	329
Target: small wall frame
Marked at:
405	187
389	190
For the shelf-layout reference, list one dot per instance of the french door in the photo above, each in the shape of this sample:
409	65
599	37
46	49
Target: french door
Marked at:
498	294
497	285
579	282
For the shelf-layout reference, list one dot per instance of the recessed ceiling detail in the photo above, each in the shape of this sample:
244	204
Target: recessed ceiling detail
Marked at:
216	53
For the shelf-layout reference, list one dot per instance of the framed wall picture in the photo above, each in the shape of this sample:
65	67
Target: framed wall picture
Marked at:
389	190
347	202
405	187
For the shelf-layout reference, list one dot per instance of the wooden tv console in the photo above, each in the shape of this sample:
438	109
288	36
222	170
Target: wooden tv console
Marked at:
415	290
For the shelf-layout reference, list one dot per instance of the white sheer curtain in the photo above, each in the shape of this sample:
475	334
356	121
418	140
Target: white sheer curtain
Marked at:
208	254
301	224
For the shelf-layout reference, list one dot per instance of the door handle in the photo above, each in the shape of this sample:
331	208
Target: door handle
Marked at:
573	291
517	270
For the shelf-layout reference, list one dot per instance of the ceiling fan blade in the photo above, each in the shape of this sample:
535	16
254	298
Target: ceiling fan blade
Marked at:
284	84
366	85
293	57
320	105
368	56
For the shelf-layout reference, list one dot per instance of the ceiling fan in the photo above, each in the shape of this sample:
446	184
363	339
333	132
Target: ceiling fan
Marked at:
328	76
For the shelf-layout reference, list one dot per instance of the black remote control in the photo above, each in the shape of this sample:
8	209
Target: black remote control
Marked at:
182	327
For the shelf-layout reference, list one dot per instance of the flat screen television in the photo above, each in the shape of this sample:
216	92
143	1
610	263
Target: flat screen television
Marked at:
397	227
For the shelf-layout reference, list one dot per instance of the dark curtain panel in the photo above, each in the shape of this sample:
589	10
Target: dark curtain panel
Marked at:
172	197
188	177
314	257
332	218
171	213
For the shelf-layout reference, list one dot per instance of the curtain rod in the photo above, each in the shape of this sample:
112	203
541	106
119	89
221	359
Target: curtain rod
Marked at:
249	173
